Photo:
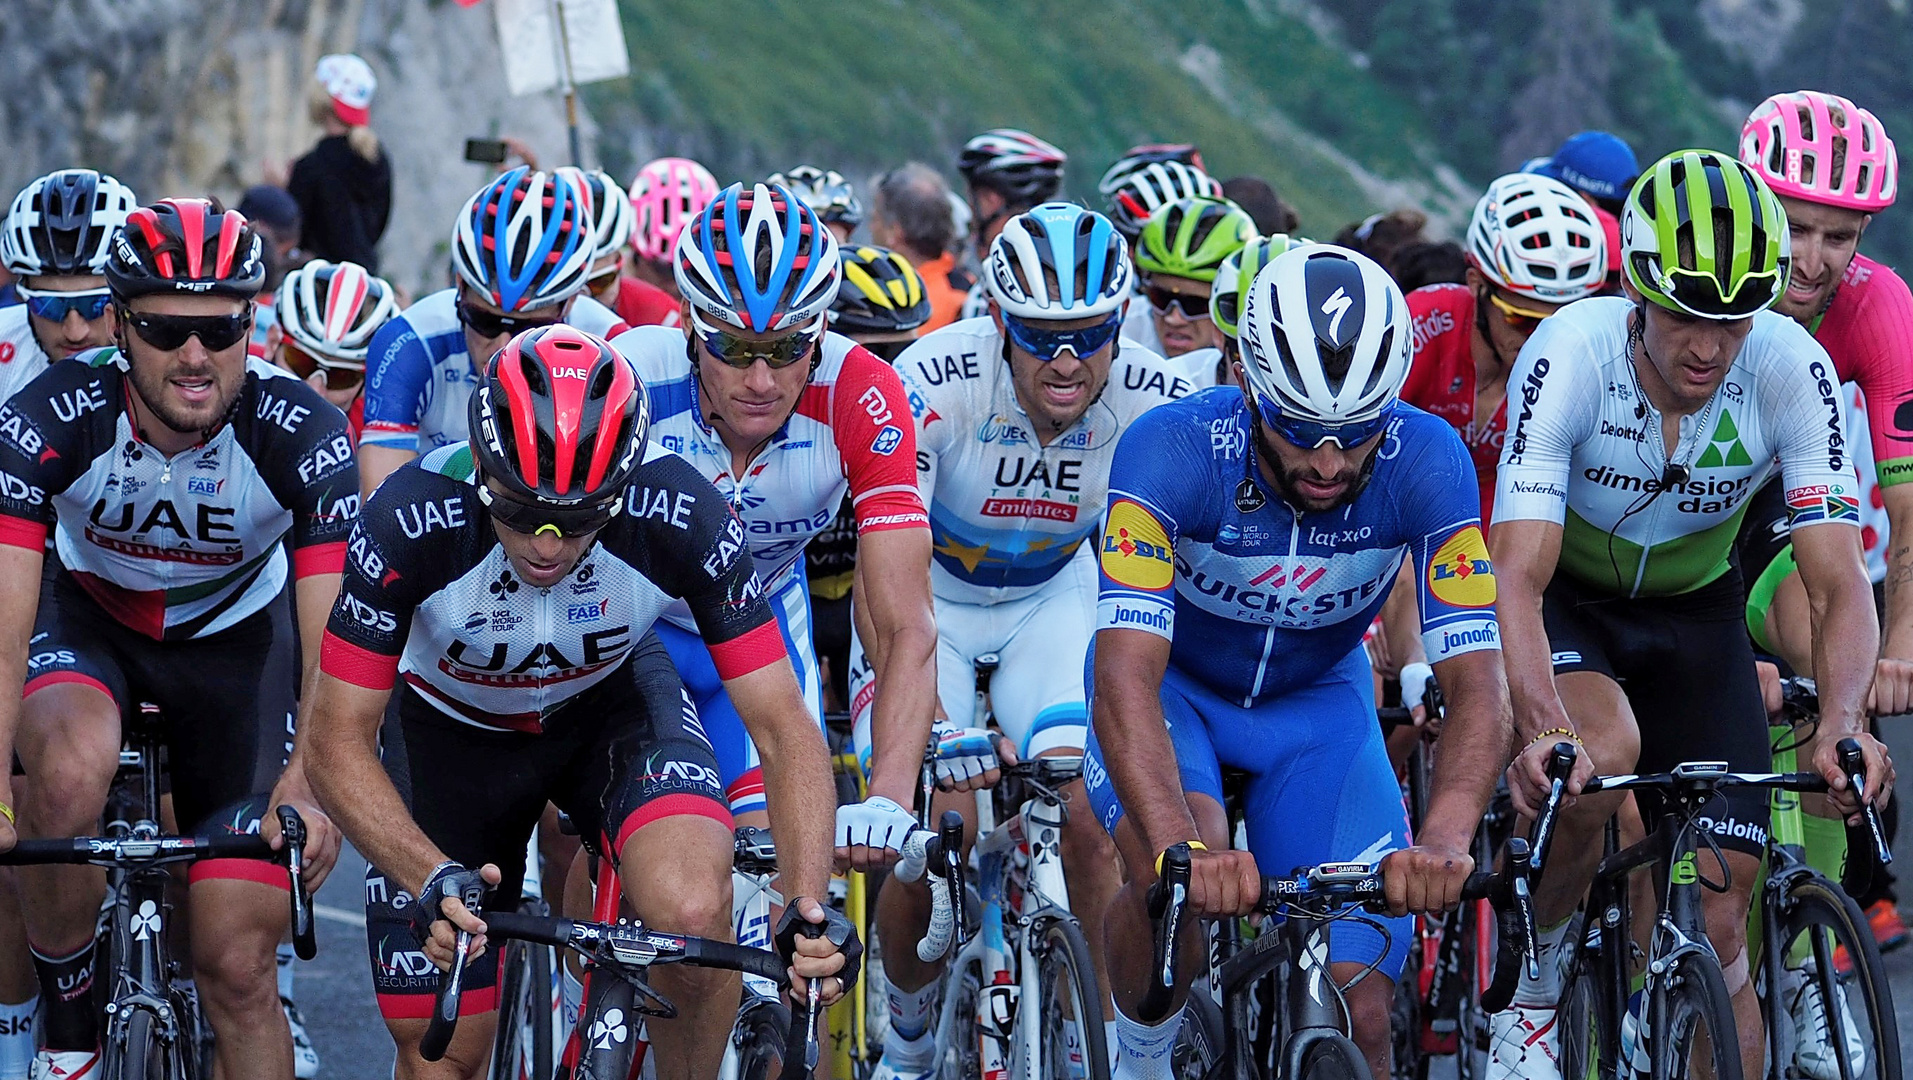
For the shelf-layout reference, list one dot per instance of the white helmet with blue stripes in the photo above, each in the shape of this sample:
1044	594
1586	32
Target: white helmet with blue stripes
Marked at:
1056	262
758	259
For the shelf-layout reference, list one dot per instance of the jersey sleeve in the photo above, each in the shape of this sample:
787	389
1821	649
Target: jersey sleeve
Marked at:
41	453
398	370
1803	400
699	553
1879	340
1554	397
366	631
1148	489
871	420
307	461
1454	579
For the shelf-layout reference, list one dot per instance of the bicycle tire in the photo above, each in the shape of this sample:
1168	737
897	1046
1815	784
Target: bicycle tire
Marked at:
960	1054
1581	1022
141	1054
1326	1055
1815	902
759	1035
1066	987
522	1048
1405	1015
1199	1045
1694	998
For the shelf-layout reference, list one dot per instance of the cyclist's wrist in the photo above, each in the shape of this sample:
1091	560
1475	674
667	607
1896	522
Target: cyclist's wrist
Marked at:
1558	732
1194	846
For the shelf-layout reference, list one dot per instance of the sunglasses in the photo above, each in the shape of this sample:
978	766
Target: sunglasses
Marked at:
55	306
1193	307
169	332
600	283
1047	345
339	374
1308	434
741	353
1700	294
1518	318
490	324
530	519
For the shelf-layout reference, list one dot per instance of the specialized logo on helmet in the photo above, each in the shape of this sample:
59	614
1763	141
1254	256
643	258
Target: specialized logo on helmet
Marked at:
1459	573
1336	306
1341	279
1135	548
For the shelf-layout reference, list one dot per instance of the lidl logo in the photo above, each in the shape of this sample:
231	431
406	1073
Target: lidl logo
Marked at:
1135	548
1460	574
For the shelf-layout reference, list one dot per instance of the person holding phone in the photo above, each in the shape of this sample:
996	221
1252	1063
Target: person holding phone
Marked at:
344	184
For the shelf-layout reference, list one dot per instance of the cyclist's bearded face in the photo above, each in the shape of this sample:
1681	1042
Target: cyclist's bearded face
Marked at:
1057	393
73	333
190	388
1688	357
1825	239
1318	480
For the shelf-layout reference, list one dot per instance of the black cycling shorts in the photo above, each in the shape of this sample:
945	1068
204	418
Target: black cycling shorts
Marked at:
1687	669
625	753
228	700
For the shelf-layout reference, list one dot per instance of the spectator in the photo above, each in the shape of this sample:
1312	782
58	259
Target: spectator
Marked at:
275	217
1254	195
344	184
911	214
1429	263
1598	164
1380	236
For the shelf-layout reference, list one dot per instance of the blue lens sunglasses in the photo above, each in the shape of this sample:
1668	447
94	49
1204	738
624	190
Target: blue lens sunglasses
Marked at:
1046	345
54	306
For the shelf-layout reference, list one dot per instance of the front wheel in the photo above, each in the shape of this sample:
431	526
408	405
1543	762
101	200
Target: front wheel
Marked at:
1199	1045
1070	1024
1823	1009
1691	1021
762	1027
143	1053
522	1049
606	1036
1327	1055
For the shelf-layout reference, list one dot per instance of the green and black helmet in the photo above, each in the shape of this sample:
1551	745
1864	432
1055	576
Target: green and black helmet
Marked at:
1704	235
1237	270
1189	238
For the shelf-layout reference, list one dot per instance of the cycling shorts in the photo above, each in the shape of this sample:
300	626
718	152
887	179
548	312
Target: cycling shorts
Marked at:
1687	669
228	702
1040	640
1319	786
622	754
737	759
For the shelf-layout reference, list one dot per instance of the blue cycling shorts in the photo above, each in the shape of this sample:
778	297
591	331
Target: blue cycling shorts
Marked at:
1320	788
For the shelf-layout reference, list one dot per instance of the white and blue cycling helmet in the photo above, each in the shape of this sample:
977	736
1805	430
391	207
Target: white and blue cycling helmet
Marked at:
524	240
1058	261
758	259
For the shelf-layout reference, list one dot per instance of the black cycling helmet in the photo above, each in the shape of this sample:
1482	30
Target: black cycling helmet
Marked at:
1024	168
190	246
881	294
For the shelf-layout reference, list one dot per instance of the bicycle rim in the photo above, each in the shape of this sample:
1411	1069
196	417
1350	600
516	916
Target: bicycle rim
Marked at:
1695	1021
1817	918
1072	1006
960	1056
762	1025
141	1054
1331	1057
509	1044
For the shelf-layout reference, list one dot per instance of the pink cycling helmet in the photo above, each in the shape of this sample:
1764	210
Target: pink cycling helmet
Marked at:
1795	140
665	194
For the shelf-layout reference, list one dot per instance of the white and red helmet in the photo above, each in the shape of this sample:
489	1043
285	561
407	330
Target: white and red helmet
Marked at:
665	194
1795	141
331	310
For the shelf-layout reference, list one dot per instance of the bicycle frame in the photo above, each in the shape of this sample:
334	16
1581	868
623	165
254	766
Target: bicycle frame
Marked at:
136	926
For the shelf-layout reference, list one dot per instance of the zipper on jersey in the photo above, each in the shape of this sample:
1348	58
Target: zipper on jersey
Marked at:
541	621
1281	594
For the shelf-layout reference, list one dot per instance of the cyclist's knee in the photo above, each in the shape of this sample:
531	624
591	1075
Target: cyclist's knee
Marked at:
1369	1004
69	745
1602	718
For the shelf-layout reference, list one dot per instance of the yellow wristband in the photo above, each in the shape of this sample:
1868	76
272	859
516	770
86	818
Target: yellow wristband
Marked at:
1561	731
7	812
1194	845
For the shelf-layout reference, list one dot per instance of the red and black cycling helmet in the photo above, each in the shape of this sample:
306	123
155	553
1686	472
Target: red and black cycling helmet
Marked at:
189	246
559	421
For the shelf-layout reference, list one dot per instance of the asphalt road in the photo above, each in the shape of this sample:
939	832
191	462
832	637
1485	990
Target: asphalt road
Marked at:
335	989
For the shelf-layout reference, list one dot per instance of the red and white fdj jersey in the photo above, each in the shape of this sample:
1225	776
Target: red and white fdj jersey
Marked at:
1441	378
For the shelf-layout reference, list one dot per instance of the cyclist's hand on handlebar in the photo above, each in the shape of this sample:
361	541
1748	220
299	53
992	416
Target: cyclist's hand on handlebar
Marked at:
1892	688
1223	884
966	759
322	838
834	955
871	834
1425	880
1770	692
1875	764
1528	782
441	892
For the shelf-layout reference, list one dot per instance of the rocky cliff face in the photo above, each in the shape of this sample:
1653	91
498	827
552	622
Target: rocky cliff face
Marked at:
191	97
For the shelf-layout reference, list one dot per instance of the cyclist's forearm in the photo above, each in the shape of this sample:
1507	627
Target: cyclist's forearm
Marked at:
352	787
1843	650
802	802
1534	702
895	567
1127	713
1473	751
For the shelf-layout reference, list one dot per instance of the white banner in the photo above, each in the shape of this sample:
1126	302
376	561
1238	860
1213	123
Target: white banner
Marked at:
534	60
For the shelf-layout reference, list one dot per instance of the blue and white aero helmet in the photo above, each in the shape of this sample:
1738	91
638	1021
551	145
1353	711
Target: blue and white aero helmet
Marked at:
1058	261
758	259
1325	335
524	240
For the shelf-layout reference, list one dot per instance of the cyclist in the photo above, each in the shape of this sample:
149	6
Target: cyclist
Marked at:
1252	533
522	248
665	194
1176	259
608	209
1139	157
827	192
56	240
327	316
1008	171
1132	201
785	419
189	490
513	583
1016	418
1645	424
883	306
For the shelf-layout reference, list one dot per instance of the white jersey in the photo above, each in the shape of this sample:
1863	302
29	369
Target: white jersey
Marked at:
1584	449
1006	514
1197	366
21	358
848	433
1139	323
